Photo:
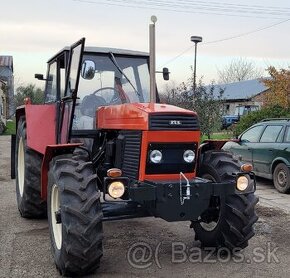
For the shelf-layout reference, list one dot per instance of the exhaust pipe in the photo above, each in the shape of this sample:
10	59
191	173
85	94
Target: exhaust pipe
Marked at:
152	59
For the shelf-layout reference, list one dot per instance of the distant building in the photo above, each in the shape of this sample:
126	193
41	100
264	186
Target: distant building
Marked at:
7	82
247	92
2	103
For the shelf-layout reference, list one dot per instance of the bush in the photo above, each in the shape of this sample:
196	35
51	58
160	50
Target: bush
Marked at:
257	116
2	127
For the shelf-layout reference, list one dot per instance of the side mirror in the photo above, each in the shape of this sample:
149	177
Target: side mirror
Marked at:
39	76
88	69
165	73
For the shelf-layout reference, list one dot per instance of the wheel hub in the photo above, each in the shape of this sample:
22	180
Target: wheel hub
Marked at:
20	167
282	178
56	216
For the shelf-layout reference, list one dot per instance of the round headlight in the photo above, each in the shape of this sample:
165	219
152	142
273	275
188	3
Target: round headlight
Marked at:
155	156
242	183
189	156
116	189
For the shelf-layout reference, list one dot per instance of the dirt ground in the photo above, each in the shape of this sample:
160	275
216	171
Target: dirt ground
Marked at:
145	247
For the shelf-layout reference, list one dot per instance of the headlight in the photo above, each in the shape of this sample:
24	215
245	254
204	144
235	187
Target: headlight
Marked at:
155	156
116	189
189	156
242	183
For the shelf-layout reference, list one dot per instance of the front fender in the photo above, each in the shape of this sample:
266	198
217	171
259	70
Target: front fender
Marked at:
50	152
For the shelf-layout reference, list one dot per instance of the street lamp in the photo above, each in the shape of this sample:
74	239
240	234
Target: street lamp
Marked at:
196	40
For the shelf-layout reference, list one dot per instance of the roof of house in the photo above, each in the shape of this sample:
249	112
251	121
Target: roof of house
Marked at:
6	61
245	89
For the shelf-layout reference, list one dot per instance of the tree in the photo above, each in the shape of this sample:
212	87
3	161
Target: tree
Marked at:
279	87
208	105
206	101
30	91
171	94
238	70
254	117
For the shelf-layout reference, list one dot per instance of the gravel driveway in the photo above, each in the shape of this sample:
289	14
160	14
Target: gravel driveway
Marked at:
145	247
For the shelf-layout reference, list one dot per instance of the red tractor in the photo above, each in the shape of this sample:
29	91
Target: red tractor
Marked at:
102	148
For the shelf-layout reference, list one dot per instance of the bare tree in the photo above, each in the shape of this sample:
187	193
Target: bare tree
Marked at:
239	69
204	100
170	94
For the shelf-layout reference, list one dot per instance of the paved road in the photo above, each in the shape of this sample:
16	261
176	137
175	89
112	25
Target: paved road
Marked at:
25	246
270	197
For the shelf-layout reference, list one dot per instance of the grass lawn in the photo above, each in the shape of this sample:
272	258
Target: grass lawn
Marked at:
219	136
11	128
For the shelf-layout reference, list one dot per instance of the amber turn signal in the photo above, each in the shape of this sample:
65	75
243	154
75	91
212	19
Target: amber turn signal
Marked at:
247	167
114	173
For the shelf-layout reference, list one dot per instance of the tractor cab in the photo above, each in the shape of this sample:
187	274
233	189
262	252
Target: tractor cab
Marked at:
110	77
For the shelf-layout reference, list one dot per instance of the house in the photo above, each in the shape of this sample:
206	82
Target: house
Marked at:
2	108
7	85
241	94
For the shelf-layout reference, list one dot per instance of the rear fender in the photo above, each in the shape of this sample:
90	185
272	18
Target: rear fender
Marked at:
50	152
278	160
40	125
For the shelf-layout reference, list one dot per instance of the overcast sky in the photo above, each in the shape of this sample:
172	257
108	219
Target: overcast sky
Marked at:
33	30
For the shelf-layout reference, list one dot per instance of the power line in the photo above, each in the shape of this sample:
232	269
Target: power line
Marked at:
200	7
226	9
228	38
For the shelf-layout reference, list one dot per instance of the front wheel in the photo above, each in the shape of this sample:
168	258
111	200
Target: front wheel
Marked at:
281	178
228	222
74	215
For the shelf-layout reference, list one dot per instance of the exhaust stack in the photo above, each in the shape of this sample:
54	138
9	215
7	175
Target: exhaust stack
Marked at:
152	67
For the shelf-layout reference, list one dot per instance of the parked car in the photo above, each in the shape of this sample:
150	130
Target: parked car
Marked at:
267	146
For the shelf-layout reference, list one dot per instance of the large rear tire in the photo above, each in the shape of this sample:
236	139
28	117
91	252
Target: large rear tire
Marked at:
74	215
228	222
28	174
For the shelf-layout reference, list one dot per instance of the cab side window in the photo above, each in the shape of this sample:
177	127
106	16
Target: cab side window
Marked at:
51	84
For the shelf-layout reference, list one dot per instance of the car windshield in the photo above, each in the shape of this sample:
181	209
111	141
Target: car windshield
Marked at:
108	79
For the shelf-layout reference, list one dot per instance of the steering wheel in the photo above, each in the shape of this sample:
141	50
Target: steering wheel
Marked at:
115	98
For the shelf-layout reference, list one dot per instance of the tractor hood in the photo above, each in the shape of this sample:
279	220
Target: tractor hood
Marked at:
146	116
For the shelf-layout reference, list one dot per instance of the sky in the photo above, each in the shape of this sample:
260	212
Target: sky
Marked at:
32	31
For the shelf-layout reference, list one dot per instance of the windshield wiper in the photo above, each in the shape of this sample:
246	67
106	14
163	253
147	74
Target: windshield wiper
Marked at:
121	71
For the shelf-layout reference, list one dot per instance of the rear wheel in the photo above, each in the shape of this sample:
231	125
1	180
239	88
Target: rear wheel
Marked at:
228	222
74	215
28	173
281	178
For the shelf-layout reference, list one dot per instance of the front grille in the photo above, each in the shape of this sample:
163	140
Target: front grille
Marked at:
173	122
131	153
172	158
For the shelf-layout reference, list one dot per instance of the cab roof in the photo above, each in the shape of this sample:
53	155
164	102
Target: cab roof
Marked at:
93	49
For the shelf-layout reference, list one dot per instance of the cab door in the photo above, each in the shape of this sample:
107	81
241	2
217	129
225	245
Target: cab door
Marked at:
68	100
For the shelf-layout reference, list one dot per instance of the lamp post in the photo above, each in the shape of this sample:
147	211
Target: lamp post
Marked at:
196	40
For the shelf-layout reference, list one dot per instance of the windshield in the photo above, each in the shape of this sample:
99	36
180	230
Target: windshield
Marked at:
108	79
